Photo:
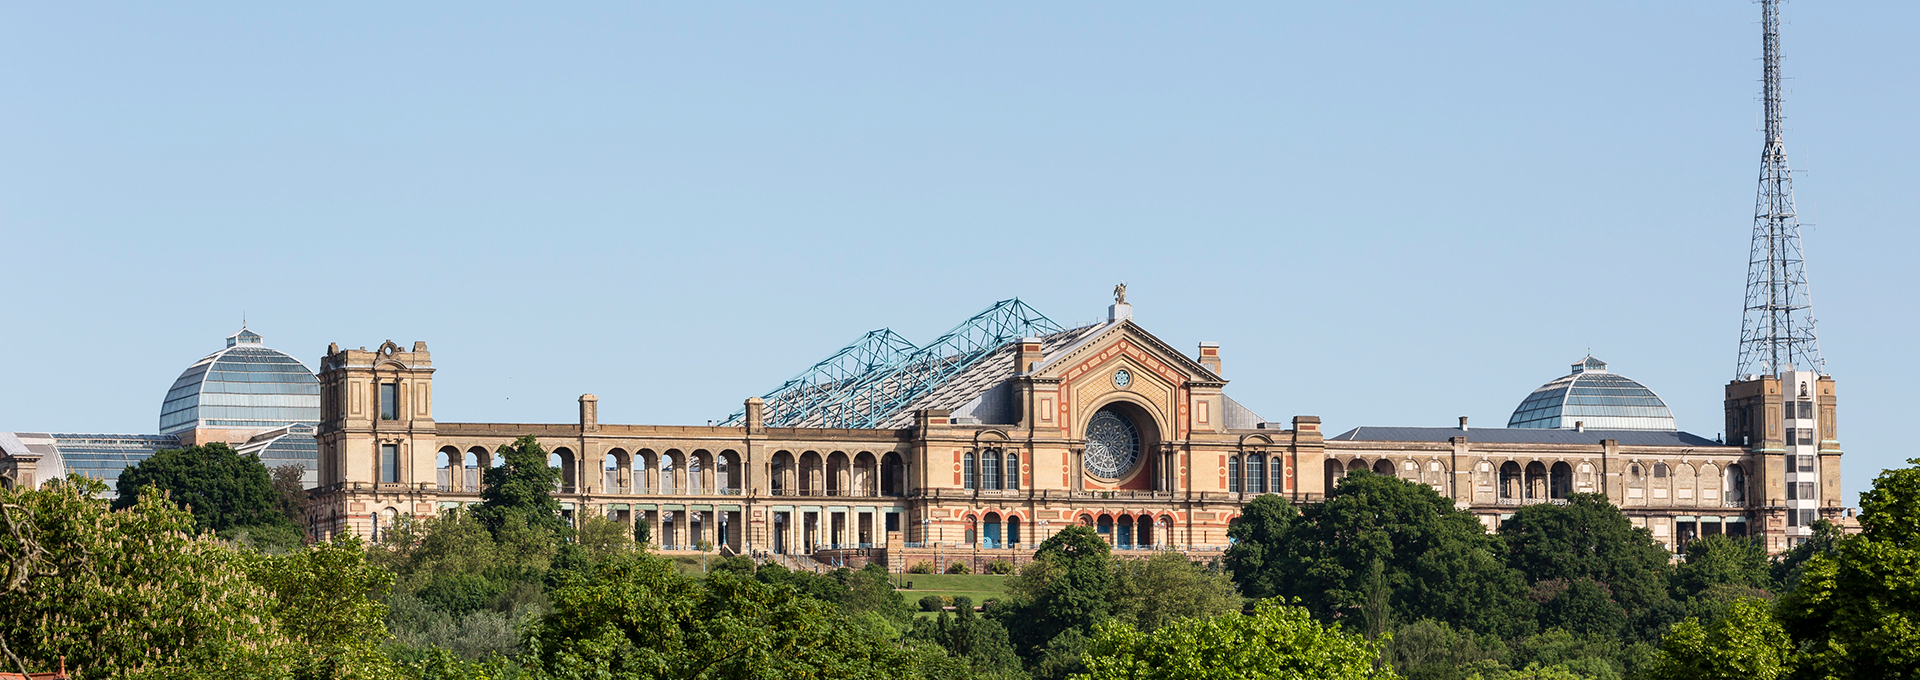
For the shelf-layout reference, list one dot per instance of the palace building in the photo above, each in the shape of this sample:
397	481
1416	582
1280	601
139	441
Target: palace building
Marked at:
982	443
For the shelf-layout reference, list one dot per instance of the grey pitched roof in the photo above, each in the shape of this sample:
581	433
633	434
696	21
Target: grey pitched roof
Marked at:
961	392
1495	435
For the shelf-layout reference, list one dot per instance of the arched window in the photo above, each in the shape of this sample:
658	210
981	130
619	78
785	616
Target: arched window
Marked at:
967	472
666	471
993	530
1123	534
1013	472
991	466
721	478
1145	528
973	530
1233	474
1256	474
693	474
1105	528
1013	531
1277	473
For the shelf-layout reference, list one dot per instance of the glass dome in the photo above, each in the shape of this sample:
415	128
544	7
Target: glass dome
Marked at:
1598	399
246	386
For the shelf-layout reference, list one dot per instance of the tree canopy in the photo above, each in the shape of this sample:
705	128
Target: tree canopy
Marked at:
522	486
1379	548
225	490
1277	642
1584	558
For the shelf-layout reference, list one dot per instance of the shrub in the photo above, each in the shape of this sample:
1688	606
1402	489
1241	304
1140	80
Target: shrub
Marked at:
959	568
921	567
1000	567
931	603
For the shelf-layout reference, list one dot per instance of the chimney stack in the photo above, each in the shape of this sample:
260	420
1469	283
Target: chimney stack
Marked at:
1579	426
589	413
1210	356
1463	423
1029	355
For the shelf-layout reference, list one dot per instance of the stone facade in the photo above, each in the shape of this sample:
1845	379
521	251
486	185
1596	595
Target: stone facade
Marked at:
945	488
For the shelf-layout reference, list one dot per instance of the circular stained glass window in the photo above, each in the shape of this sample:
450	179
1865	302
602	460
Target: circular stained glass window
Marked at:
1113	445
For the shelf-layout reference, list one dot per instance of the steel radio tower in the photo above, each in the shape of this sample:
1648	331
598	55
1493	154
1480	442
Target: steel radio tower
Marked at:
1777	330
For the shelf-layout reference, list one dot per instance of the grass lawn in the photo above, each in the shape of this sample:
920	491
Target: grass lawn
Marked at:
980	587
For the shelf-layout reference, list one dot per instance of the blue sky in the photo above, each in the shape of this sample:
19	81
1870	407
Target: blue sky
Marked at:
1387	214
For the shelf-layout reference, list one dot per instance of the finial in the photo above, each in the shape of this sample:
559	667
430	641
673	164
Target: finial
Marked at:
1120	293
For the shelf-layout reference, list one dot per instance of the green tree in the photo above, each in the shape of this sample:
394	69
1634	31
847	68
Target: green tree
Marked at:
1436	562
1746	644
1151	593
1277	641
1432	650
225	490
1068	585
1722	560
1788	567
637	618
522	486
129	593
1589	540
1261	559
1857	607
602	537
323	599
978	641
870	589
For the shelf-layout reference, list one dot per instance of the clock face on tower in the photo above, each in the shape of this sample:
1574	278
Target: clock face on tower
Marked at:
1113	445
1122	378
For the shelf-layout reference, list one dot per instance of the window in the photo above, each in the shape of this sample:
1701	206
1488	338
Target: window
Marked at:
1806	436
990	464
1013	471
389	401
390	463
1659	470
1256	474
1806	491
967	471
1806	463
1278	471
1806	410
1806	517
1793	516
1233	474
1793	491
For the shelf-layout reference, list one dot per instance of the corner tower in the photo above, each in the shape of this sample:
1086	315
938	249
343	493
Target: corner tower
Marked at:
376	439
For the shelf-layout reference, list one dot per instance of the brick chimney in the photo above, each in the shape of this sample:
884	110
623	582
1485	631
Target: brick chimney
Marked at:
1210	356
1029	356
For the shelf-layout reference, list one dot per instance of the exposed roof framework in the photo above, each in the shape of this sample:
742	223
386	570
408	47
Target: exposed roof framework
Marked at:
868	381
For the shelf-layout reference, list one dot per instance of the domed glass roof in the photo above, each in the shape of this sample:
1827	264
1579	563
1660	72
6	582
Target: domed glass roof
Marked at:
1600	400
245	386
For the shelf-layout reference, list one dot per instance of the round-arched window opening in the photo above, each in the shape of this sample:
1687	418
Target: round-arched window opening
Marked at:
1113	444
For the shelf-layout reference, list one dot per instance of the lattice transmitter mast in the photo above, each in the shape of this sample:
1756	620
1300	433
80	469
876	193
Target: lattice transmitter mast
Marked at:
1777	331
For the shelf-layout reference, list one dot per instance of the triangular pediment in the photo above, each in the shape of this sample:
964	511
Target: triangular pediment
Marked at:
1125	339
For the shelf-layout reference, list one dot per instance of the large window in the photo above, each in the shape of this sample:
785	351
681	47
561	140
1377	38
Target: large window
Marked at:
967	471
1256	474
991	466
390	463
389	401
1233	474
1013	472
